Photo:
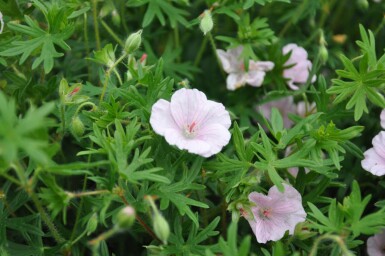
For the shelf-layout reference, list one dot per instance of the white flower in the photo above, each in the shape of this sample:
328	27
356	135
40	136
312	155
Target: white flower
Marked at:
233	64
376	244
1	23
190	121
301	66
275	213
382	118
374	161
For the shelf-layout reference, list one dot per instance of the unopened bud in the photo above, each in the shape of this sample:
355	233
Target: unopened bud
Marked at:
133	42
363	4
77	126
125	217
161	227
115	18
323	54
92	224
206	24
63	89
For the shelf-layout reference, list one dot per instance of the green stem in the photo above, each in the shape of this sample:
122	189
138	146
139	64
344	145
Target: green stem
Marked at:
96	24
214	48
87	193
12	179
88	103
177	41
47	220
379	26
200	52
63	119
112	33
336	239
108	73
104	236
85	28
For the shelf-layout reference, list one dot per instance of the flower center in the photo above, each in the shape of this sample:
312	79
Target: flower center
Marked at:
190	130
265	213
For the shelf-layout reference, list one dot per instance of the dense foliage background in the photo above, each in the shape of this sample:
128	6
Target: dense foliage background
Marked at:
76	145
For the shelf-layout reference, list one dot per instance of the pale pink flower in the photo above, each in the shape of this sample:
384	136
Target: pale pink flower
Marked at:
1	23
374	161
190	121
275	213
376	244
299	73
382	118
285	106
233	64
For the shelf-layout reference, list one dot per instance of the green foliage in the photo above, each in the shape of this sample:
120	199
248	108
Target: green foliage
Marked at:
363	83
44	41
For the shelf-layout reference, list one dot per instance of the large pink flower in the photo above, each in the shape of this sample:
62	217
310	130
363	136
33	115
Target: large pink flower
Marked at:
382	118
374	160
190	121
275	213
376	244
233	64
301	66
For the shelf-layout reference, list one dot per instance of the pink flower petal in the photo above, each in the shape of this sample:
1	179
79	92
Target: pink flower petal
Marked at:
255	78
376	244
373	162
261	65
379	144
161	118
195	146
235	80
216	135
382	117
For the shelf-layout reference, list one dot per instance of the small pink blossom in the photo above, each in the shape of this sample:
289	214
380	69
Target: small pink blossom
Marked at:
190	121
376	244
298	73
275	213
382	118
374	158
285	106
233	64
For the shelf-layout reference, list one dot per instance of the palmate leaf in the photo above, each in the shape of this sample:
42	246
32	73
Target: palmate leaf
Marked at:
160	9
40	40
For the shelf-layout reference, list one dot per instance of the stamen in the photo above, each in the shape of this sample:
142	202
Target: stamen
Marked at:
191	127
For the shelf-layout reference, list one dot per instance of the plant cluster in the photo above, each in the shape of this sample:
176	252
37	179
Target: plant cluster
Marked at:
177	127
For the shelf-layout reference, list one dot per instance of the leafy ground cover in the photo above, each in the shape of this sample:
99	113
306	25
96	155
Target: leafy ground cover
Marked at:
177	127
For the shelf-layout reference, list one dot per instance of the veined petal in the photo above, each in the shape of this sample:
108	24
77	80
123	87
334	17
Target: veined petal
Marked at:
379	144
195	146
161	118
216	135
373	162
382	117
186	105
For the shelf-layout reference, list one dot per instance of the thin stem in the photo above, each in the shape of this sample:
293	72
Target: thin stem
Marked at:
85	28
63	119
12	179
336	239
214	48
200	52
141	222
104	236
112	33
47	220
88	103
96	24
177	41
88	193
108	73
379	26
79	211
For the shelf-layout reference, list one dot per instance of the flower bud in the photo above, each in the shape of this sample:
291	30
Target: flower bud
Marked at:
206	24
115	18
77	126
323	54
363	4
92	224
161	227
63	89
133	42
125	217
